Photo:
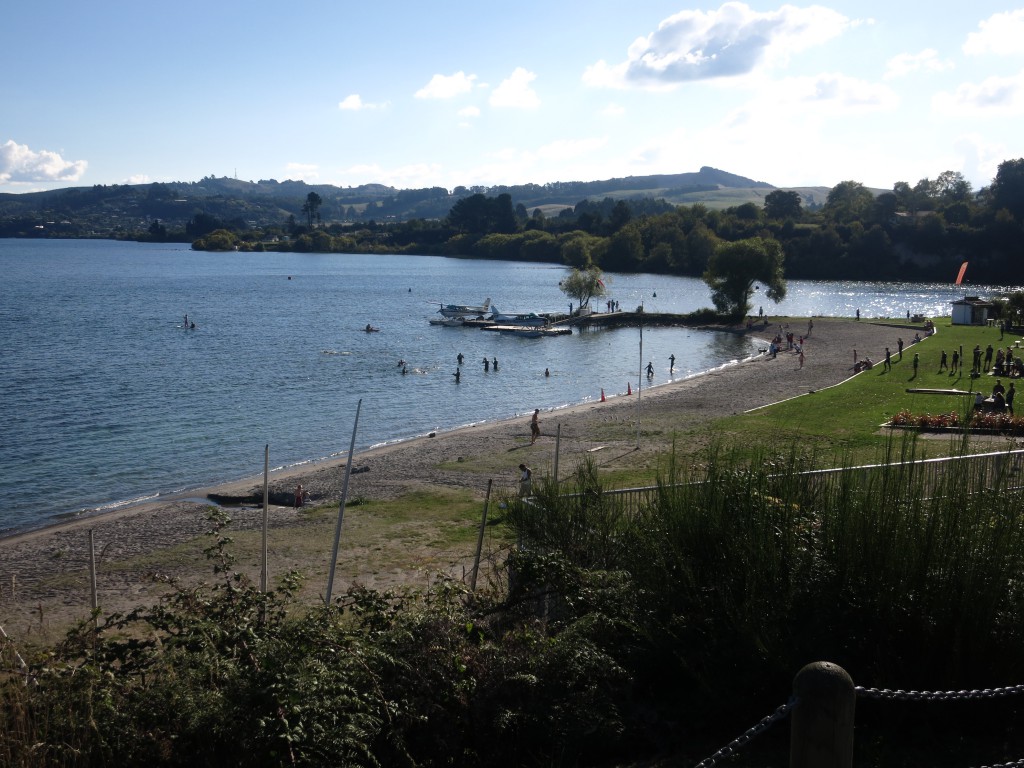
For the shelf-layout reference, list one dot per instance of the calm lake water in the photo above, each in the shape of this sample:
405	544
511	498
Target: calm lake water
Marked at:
109	401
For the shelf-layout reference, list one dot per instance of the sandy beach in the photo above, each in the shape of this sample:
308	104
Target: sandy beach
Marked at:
44	582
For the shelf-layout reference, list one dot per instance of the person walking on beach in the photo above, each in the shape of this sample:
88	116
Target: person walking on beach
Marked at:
535	426
298	496
525	480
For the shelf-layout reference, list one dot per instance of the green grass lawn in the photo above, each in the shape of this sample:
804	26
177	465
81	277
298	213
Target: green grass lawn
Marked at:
846	420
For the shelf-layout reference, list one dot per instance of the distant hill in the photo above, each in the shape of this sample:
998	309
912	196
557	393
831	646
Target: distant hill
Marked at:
103	209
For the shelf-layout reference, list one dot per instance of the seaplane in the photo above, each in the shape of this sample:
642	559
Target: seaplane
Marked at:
524	318
465	310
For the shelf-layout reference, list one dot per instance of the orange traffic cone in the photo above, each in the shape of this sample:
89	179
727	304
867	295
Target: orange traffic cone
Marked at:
629	389
602	395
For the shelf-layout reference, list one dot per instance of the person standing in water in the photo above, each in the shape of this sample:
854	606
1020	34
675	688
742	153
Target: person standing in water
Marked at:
671	363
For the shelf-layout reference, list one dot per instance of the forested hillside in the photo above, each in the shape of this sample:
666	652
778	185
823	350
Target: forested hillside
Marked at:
923	231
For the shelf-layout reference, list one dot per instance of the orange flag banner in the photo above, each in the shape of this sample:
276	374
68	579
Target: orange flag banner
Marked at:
960	277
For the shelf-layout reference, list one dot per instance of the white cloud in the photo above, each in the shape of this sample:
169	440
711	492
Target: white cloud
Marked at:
908	63
138	178
354	103
1001	33
613	110
567	149
815	98
412	176
734	40
980	157
303	171
992	96
18	163
515	91
446	87
469	112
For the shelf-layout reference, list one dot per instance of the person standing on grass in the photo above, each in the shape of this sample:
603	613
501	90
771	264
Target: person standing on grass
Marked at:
1009	398
917	360
942	362
525	480
888	359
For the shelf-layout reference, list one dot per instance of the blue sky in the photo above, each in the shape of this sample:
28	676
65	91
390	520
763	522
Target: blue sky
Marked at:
417	94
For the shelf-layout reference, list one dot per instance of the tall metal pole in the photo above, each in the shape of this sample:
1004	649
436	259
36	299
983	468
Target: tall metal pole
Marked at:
341	507
264	574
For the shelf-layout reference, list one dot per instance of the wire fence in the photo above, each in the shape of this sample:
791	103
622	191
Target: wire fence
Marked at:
1004	469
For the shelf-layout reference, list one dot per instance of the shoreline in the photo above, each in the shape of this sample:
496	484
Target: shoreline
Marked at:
38	566
202	492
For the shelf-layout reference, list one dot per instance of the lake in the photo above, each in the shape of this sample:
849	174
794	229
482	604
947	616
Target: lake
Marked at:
110	401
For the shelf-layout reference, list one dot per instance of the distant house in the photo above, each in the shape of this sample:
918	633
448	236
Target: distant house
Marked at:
971	310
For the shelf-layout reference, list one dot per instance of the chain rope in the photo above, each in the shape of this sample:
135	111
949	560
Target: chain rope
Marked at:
755	730
975	695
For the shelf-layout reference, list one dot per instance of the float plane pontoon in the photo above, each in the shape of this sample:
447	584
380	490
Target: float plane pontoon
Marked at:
465	310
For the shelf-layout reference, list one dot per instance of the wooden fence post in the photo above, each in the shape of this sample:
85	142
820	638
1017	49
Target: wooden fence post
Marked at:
821	732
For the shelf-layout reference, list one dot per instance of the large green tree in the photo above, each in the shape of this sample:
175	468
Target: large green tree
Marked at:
311	207
583	284
735	267
1008	188
848	201
782	204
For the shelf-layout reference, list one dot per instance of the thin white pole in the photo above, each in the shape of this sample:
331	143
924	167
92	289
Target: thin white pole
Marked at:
92	571
480	538
341	507
264	573
558	449
639	380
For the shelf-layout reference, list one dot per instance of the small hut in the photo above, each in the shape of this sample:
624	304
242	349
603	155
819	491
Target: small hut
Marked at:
971	310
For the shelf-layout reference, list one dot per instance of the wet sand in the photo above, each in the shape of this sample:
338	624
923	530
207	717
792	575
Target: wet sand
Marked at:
44	580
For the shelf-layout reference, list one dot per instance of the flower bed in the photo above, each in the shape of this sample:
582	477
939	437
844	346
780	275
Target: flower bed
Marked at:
1004	423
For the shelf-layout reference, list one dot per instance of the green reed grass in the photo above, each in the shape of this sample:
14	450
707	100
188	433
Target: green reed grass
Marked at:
750	567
